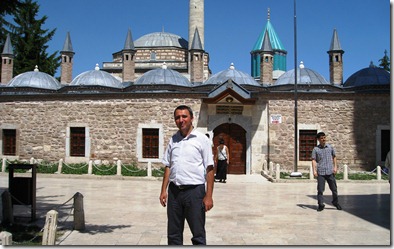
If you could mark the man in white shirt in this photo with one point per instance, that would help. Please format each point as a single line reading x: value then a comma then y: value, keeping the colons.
x: 189, y: 165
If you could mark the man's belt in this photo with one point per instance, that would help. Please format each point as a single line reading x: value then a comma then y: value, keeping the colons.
x: 183, y: 187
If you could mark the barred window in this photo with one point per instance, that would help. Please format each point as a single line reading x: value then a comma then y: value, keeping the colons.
x: 9, y: 142
x: 307, y: 142
x: 150, y: 143
x: 77, y: 141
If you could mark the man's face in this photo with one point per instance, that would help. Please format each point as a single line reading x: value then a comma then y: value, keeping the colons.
x: 322, y: 140
x: 183, y: 121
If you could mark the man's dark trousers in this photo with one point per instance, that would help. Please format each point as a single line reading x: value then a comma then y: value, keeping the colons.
x: 186, y: 204
x: 321, y: 182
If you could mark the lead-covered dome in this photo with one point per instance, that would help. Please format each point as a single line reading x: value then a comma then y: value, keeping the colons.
x: 369, y: 76
x: 236, y: 76
x: 161, y: 39
x: 161, y: 76
x: 96, y: 77
x: 305, y: 76
x: 35, y: 79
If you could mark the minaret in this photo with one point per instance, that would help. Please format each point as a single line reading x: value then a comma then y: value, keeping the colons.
x: 7, y: 61
x: 196, y: 59
x: 128, y: 53
x: 67, y: 55
x: 196, y: 20
x: 335, y: 60
x: 266, y: 60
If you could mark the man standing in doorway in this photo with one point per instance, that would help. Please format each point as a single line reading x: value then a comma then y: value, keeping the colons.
x: 324, y: 163
x: 189, y: 177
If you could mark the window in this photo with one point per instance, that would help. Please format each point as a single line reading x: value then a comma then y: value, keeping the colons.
x: 153, y: 56
x: 307, y: 142
x: 9, y: 142
x: 77, y: 141
x: 150, y: 143
x: 384, y: 144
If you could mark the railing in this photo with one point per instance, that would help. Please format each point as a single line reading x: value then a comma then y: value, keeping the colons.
x: 274, y: 172
x: 91, y: 165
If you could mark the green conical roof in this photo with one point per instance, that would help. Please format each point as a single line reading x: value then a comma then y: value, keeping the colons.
x: 274, y: 39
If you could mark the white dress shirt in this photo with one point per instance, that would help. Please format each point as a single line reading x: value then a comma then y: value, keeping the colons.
x: 188, y: 158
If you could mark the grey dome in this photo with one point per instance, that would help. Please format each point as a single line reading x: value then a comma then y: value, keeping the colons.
x: 305, y: 76
x: 163, y: 75
x: 368, y: 76
x: 161, y: 39
x: 237, y: 76
x: 35, y: 79
x: 96, y: 77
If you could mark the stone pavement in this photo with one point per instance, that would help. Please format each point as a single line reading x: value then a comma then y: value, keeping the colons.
x: 248, y: 210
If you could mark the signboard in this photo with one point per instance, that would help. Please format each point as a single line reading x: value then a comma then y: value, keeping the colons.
x: 276, y: 119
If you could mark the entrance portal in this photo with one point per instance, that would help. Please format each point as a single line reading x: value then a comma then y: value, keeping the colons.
x: 234, y: 137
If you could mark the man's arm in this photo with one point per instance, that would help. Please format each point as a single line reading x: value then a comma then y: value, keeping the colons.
x: 314, y: 167
x: 163, y: 194
x: 208, y: 199
x: 334, y: 160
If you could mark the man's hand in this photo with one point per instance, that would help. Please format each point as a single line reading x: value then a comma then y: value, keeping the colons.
x: 163, y: 199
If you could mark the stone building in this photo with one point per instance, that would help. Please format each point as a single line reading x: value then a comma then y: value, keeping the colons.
x: 125, y: 110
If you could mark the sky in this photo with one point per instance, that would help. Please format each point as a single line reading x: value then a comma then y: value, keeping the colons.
x: 98, y: 28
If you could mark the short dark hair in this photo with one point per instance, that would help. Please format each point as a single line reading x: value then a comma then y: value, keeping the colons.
x: 184, y: 107
x: 320, y: 134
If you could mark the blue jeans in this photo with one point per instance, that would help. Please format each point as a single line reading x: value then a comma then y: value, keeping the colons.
x: 321, y: 182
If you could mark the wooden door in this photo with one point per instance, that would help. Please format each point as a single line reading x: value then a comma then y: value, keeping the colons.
x: 234, y: 137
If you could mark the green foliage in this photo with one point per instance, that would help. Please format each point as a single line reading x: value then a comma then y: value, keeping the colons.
x: 385, y: 62
x: 29, y: 41
x: 339, y: 176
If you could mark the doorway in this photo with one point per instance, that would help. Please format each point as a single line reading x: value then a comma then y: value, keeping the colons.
x: 234, y: 137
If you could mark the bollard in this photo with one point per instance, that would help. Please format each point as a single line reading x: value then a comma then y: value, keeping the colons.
x: 60, y: 166
x: 311, y: 176
x: 90, y: 167
x: 49, y: 234
x: 8, y: 213
x: 277, y: 171
x: 3, y: 165
x: 345, y: 173
x: 149, y: 169
x: 6, y: 238
x: 79, y: 214
x: 379, y: 173
x: 119, y: 168
x: 271, y: 169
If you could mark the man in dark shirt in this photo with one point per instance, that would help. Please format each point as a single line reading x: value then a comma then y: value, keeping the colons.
x: 324, y: 163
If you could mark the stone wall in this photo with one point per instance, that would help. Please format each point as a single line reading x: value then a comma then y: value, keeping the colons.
x: 350, y: 122
x: 41, y: 125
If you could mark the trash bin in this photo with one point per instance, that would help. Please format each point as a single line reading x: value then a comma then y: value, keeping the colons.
x: 22, y: 187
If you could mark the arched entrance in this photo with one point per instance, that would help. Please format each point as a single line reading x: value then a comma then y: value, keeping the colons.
x: 234, y: 137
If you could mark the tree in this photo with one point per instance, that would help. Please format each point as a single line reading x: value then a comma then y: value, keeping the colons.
x: 385, y: 62
x: 7, y: 7
x: 29, y: 41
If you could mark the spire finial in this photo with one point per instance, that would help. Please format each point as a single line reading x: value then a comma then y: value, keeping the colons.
x: 97, y: 67
x: 36, y: 69
x: 269, y: 15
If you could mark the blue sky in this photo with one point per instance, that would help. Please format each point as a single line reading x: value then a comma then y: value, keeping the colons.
x: 98, y: 28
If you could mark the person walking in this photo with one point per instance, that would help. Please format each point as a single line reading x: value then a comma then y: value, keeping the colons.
x: 188, y: 180
x: 222, y: 160
x: 324, y: 163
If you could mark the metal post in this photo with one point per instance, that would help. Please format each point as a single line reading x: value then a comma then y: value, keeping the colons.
x: 295, y: 173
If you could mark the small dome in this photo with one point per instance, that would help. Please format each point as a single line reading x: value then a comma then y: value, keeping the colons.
x: 305, y: 76
x: 369, y: 76
x: 162, y: 76
x: 35, y: 79
x: 96, y: 77
x: 237, y: 76
x: 161, y: 39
